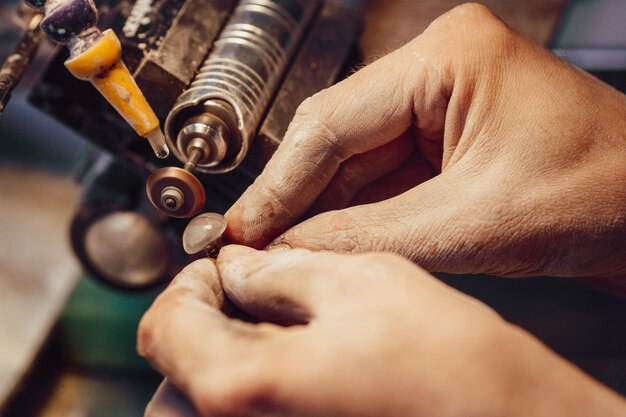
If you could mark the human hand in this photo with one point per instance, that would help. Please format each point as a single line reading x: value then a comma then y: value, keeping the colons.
x: 469, y: 150
x: 367, y: 335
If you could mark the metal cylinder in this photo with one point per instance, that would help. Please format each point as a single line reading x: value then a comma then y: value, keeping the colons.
x: 238, y: 80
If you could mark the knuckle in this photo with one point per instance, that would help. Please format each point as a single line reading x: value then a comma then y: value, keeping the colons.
x: 149, y: 328
x: 311, y: 104
x: 469, y: 24
x: 315, y: 107
x: 278, y: 202
x: 237, y: 392
x: 199, y: 272
x: 317, y: 118
x: 315, y: 129
x: 471, y: 16
x: 473, y: 10
x: 145, y: 334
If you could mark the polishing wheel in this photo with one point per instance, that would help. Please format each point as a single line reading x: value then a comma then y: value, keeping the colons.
x: 176, y: 192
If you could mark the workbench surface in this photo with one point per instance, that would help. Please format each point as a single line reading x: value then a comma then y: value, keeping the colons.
x: 37, y: 270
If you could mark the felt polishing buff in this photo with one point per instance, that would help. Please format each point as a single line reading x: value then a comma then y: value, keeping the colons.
x: 102, y: 65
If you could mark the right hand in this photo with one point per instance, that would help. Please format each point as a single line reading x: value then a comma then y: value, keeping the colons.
x: 469, y: 150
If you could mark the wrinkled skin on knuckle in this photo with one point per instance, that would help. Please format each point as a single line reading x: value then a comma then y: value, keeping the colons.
x: 310, y: 105
x: 466, y: 28
x: 467, y: 23
x: 336, y: 230
x: 200, y: 277
x: 315, y: 114
x: 313, y: 147
x: 430, y: 103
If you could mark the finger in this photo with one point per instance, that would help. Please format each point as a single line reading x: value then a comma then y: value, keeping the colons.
x: 411, y: 173
x: 280, y: 286
x: 364, y: 112
x: 361, y: 170
x: 187, y: 338
x: 169, y: 402
x: 439, y: 224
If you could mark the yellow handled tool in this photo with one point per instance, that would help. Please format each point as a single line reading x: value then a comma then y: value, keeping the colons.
x: 97, y: 57
x: 102, y: 65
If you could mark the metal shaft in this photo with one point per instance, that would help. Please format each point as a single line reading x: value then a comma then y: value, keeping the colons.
x: 172, y: 197
x: 238, y: 80
x: 194, y: 157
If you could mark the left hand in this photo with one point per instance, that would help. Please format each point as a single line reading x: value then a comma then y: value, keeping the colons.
x: 367, y: 335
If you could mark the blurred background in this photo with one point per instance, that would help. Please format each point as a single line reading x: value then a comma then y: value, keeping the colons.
x: 67, y: 340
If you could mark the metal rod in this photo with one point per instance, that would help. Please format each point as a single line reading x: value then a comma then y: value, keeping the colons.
x: 194, y: 157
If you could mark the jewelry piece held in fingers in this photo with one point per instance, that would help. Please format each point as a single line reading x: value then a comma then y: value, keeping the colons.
x: 205, y: 232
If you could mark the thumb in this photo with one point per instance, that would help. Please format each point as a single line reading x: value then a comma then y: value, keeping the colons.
x: 437, y: 224
x: 281, y: 286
